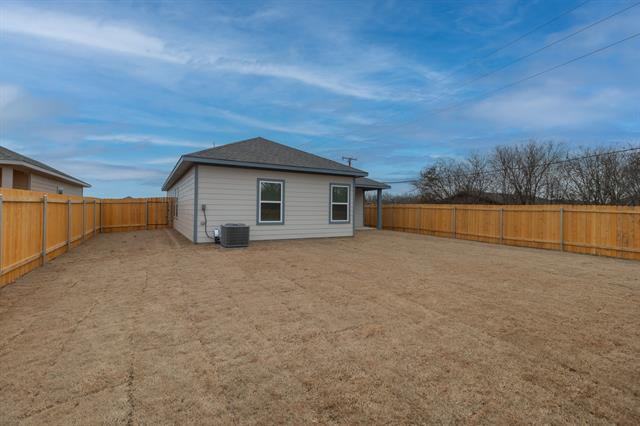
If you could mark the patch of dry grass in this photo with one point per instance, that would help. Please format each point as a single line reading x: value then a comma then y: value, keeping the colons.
x: 382, y: 328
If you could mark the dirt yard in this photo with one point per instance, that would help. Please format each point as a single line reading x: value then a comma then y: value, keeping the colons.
x: 145, y: 328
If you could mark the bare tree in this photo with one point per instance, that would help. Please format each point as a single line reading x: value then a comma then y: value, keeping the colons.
x: 447, y: 178
x: 599, y: 176
x: 439, y: 181
x: 478, y: 178
x: 631, y: 178
x: 405, y: 198
x: 535, y: 172
x: 528, y: 172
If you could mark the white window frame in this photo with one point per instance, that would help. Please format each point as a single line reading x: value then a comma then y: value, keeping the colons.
x: 259, y: 220
x: 331, y: 203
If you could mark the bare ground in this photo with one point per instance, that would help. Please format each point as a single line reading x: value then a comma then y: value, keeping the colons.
x: 145, y: 328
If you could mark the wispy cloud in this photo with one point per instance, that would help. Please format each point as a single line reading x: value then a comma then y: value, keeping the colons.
x: 259, y: 16
x: 311, y: 129
x: 113, y: 37
x: 18, y: 108
x: 162, y: 161
x: 324, y: 79
x: 126, y: 39
x: 144, y: 139
x: 545, y: 109
x: 98, y: 171
x: 8, y: 94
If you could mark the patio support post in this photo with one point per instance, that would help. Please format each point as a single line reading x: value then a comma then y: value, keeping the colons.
x: 379, y: 208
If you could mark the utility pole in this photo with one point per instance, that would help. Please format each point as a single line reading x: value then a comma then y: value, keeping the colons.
x: 349, y: 160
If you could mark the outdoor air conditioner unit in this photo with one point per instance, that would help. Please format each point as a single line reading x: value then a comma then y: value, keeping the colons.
x: 234, y: 235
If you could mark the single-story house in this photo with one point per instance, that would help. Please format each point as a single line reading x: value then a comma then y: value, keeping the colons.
x: 279, y: 191
x: 22, y: 172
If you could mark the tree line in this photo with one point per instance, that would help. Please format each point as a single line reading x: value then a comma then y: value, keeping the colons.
x: 532, y: 173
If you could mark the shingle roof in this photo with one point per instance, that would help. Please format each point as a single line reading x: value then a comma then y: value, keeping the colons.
x: 8, y: 156
x: 261, y: 153
x: 363, y: 182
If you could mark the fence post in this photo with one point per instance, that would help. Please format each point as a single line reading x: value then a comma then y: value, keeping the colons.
x: 84, y: 202
x: 379, y: 218
x: 419, y: 210
x: 1, y: 207
x: 562, y: 228
x: 44, y: 228
x: 501, y: 225
x: 453, y: 222
x: 146, y: 214
x: 102, y: 216
x: 69, y: 224
x: 94, y: 217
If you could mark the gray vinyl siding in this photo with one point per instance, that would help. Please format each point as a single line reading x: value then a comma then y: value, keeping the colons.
x: 183, y: 191
x: 231, y: 197
x: 45, y: 184
x: 359, y: 208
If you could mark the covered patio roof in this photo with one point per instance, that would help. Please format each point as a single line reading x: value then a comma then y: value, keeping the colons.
x: 367, y: 184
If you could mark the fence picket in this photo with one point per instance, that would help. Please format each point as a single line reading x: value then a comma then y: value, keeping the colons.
x: 602, y: 230
x: 23, y: 247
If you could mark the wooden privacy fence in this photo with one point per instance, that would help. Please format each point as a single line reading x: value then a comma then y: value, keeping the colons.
x: 600, y: 230
x: 36, y: 227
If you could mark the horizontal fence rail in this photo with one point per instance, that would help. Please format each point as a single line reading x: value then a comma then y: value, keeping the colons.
x: 600, y: 230
x: 36, y: 227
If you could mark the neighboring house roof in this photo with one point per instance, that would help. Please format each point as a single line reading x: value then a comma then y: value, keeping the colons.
x: 13, y: 158
x: 366, y: 183
x: 260, y: 153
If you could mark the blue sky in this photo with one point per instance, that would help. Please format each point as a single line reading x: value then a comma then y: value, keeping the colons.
x: 115, y: 92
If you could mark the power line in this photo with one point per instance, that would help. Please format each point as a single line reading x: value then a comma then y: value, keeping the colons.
x: 545, y: 47
x: 549, y: 163
x: 514, y: 41
x: 538, y: 74
x: 512, y: 84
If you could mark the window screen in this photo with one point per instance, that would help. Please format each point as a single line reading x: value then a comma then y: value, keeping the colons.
x: 270, y: 201
x: 340, y: 203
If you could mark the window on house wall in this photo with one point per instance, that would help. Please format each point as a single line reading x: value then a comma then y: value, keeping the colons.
x: 270, y: 202
x: 340, y: 199
x: 60, y: 190
x: 21, y: 180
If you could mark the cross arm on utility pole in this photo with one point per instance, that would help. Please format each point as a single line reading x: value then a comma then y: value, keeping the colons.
x: 349, y: 159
